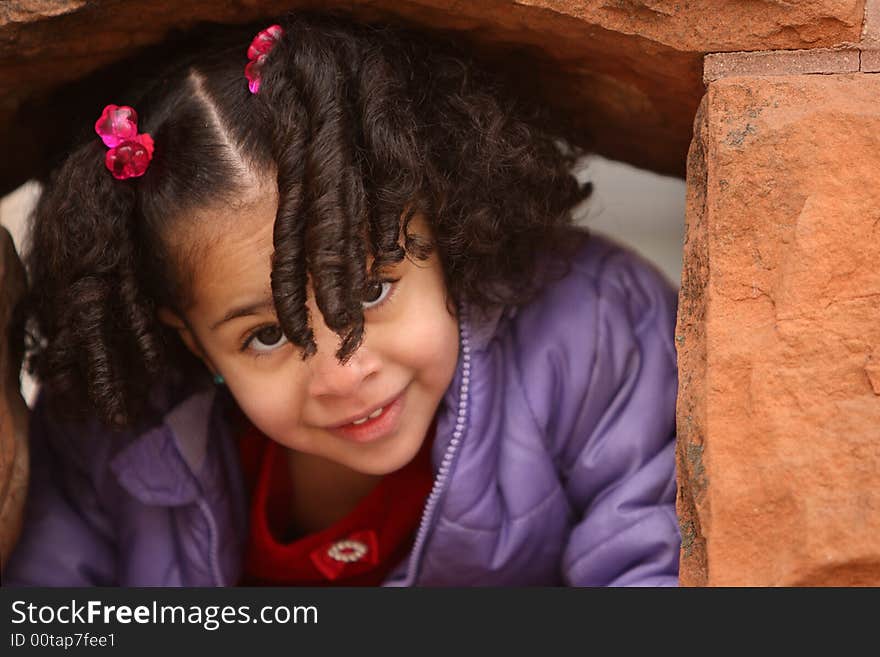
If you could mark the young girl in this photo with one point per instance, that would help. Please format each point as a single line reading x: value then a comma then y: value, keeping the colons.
x: 312, y: 312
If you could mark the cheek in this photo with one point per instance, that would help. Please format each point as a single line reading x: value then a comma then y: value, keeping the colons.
x: 431, y: 346
x: 427, y: 338
x: 268, y: 403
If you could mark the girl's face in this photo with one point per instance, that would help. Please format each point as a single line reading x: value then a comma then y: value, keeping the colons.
x: 396, y: 378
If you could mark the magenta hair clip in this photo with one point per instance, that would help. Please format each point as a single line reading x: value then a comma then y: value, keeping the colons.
x: 130, y: 152
x: 259, y: 49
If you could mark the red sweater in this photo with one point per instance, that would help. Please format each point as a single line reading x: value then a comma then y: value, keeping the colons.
x: 358, y: 550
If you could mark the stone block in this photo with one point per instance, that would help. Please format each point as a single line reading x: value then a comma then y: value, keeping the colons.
x: 779, y: 335
x: 871, y: 30
x: 870, y: 61
x: 14, y: 413
x: 722, y: 26
x: 780, y: 62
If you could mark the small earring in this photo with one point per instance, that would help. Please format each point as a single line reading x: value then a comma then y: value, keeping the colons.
x: 218, y: 379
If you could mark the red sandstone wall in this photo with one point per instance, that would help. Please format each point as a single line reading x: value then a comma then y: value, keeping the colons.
x: 779, y: 334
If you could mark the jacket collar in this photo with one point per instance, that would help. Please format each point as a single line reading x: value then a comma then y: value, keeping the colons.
x: 482, y: 326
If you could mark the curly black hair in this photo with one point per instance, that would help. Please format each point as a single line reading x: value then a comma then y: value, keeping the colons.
x: 361, y: 125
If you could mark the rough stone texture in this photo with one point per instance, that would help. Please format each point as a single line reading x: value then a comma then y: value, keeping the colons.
x: 871, y: 31
x: 779, y: 335
x: 870, y: 61
x: 627, y: 70
x: 13, y: 410
x: 690, y: 338
x: 26, y: 11
x: 780, y: 62
x: 723, y: 26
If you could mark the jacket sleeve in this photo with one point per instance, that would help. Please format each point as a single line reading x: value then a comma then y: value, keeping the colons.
x: 66, y: 538
x: 610, y: 389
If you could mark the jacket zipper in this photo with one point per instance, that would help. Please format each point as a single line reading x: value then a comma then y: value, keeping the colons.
x: 451, y: 450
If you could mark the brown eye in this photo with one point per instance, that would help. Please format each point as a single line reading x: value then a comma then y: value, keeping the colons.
x: 376, y: 292
x: 266, y: 339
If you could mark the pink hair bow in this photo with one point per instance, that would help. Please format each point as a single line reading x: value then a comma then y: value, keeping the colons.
x: 130, y: 152
x: 259, y: 49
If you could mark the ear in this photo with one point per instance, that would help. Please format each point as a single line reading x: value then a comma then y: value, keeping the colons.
x: 171, y: 319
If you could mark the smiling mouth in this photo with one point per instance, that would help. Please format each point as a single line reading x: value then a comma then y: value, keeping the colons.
x: 378, y: 423
x: 372, y: 415
x: 369, y: 415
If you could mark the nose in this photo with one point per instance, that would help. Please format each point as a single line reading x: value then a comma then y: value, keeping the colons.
x: 329, y: 377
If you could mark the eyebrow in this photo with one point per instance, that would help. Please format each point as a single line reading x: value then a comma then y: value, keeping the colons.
x: 264, y: 305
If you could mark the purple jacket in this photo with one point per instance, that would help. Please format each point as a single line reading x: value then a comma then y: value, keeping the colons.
x: 553, y: 460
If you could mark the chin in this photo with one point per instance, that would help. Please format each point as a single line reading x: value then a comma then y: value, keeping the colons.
x: 387, y: 461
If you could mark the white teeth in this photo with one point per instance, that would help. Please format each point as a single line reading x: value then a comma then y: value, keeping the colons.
x: 375, y: 413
